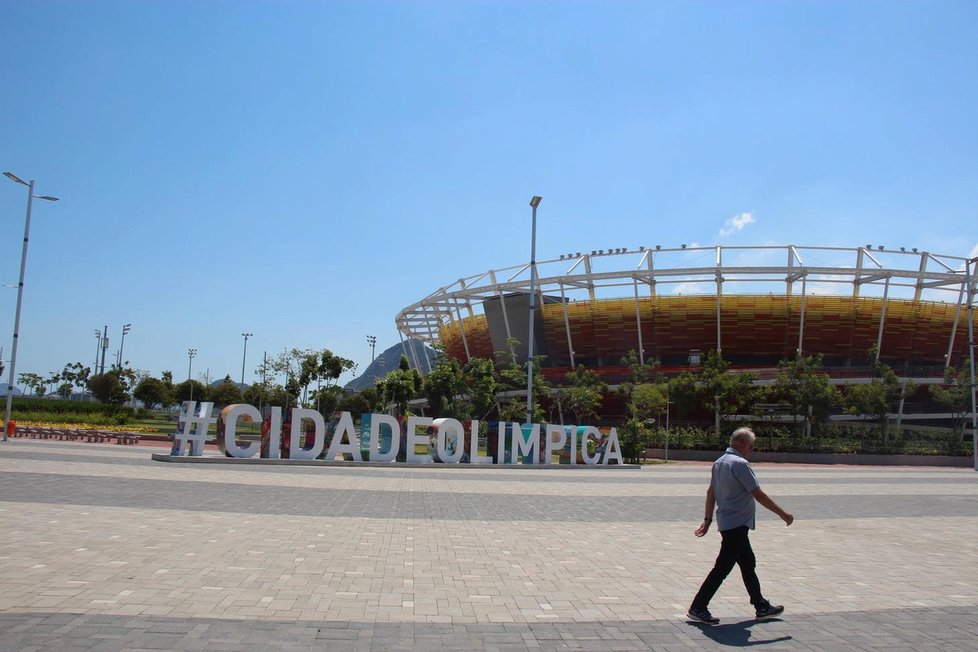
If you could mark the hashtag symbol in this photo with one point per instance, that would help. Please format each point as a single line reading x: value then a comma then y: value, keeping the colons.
x: 188, y: 420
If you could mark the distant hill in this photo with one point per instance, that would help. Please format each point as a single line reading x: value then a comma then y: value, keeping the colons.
x: 387, y: 361
x: 220, y: 381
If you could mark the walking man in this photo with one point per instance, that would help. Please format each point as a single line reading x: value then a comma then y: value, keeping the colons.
x: 733, y: 491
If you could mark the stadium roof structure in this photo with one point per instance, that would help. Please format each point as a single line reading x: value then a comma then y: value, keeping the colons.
x: 492, y: 306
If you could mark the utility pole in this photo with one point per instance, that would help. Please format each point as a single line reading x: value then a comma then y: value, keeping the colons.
x: 105, y: 346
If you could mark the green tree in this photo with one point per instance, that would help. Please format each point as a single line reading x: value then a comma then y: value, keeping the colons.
x: 634, y: 437
x: 227, y: 393
x: 327, y: 399
x: 803, y: 386
x: 648, y: 401
x: 34, y: 382
x: 289, y: 364
x: 365, y: 401
x: 583, y: 395
x: 400, y: 386
x: 512, y: 377
x: 74, y: 375
x: 109, y: 388
x: 730, y: 393
x: 482, y: 384
x: 267, y: 393
x: 645, y: 394
x: 684, y: 393
x: 190, y: 390
x: 152, y: 392
x: 444, y: 388
x: 642, y: 372
x: 714, y: 384
x: 169, y: 395
x: 875, y: 399
x: 955, y: 395
x: 53, y: 380
x: 303, y: 367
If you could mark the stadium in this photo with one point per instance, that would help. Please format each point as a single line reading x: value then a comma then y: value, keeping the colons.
x: 757, y: 305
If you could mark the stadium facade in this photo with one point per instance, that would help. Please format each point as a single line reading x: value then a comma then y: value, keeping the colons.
x: 755, y: 304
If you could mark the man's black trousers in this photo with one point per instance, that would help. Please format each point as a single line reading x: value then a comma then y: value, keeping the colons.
x: 735, y: 549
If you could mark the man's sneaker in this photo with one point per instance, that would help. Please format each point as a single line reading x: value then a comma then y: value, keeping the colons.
x: 769, y: 611
x: 702, y: 616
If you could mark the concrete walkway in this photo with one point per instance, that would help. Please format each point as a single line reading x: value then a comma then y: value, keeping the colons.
x: 103, y: 549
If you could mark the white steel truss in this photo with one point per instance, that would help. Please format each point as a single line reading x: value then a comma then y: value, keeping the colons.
x: 857, y: 271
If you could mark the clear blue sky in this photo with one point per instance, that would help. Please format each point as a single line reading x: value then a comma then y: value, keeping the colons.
x: 304, y: 170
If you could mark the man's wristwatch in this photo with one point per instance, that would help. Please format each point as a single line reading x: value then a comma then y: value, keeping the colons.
x: 707, y: 520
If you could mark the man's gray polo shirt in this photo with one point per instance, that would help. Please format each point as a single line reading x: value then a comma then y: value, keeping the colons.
x: 733, y: 481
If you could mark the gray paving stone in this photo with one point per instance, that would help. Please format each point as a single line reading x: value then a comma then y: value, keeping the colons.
x: 104, y: 549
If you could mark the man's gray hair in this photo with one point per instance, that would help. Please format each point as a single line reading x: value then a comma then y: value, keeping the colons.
x: 745, y: 435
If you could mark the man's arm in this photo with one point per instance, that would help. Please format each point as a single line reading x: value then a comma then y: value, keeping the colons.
x: 766, y: 501
x: 708, y: 510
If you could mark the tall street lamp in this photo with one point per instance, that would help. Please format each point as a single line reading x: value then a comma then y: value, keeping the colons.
x: 20, y: 288
x: 244, y: 355
x: 125, y: 329
x: 534, y: 202
x: 190, y: 365
x: 372, y: 341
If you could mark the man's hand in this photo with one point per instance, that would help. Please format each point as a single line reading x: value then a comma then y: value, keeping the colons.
x: 702, y: 529
x: 788, y: 518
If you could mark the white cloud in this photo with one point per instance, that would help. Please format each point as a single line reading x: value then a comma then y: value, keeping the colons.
x: 972, y: 254
x: 689, y: 287
x: 736, y: 223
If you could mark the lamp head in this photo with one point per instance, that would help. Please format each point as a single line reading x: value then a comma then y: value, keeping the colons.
x: 14, y: 177
x: 535, y: 201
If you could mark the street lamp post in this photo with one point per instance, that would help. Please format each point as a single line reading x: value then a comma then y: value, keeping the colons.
x: 372, y: 341
x: 244, y: 354
x: 534, y: 202
x: 20, y: 288
x: 125, y: 329
x: 668, y: 403
x: 190, y: 365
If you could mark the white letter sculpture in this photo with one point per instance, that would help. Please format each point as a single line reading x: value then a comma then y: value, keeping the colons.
x: 376, y: 421
x: 227, y: 423
x: 188, y: 420
x: 296, y: 452
x: 528, y: 449
x: 553, y: 445
x: 413, y: 439
x: 336, y: 447
x: 449, y: 428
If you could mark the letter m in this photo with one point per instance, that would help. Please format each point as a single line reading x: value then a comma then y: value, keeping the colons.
x: 528, y: 449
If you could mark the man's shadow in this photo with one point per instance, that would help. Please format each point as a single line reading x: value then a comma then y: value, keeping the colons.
x: 739, y: 634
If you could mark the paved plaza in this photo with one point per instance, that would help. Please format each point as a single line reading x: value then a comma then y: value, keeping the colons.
x: 102, y: 548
